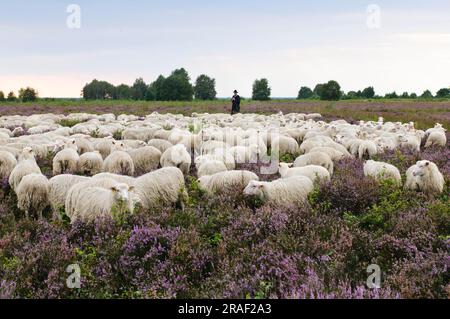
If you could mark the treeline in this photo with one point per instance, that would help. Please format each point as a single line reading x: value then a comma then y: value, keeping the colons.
x: 175, y: 87
x: 25, y: 95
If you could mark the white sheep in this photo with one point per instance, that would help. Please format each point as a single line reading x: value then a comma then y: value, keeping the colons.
x: 211, y: 167
x: 90, y: 163
x: 381, y: 170
x: 315, y: 158
x: 436, y: 138
x: 284, y: 145
x: 32, y: 194
x: 367, y: 148
x: 145, y: 159
x: 281, y: 191
x: 7, y: 164
x: 160, y: 144
x: 59, y: 187
x: 122, y: 179
x: 93, y: 202
x: 424, y: 176
x: 177, y: 156
x: 163, y: 186
x: 313, y: 172
x: 27, y: 165
x: 119, y: 162
x: 66, y: 160
x: 104, y: 146
x: 84, y: 145
x: 334, y: 154
x: 236, y: 179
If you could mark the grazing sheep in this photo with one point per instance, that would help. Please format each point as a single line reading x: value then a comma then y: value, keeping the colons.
x: 315, y: 158
x: 123, y: 179
x: 367, y: 149
x: 245, y: 154
x: 104, y: 146
x: 410, y: 142
x: 66, y: 160
x: 84, y: 145
x: 381, y: 170
x: 282, y: 191
x: 145, y: 159
x: 162, y: 186
x: 313, y: 172
x: 59, y: 187
x: 436, y: 136
x: 160, y: 144
x: 210, y: 168
x: 90, y: 163
x: 119, y: 162
x: 236, y: 179
x: 32, y: 194
x: 27, y: 165
x: 334, y: 154
x: 141, y: 133
x: 93, y: 202
x: 426, y: 177
x: 177, y: 156
x: 284, y: 145
x: 7, y: 164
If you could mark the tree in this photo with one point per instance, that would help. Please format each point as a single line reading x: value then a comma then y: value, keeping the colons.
x: 368, y: 92
x: 123, y: 92
x: 350, y: 95
x: 318, y: 90
x: 330, y: 91
x: 261, y: 90
x: 139, y: 89
x: 205, y: 88
x: 427, y: 95
x: 413, y: 95
x: 405, y: 95
x: 155, y: 88
x: 305, y: 93
x: 443, y: 93
x: 98, y: 90
x: 11, y: 97
x: 2, y: 96
x: 176, y: 87
x: 28, y: 94
x: 392, y: 95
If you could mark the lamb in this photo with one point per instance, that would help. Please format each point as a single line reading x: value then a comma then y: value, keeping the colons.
x: 160, y: 144
x: 381, y: 170
x: 59, y: 187
x: 32, y: 194
x: 367, y: 148
x: 7, y: 164
x: 315, y: 158
x: 426, y: 177
x: 236, y: 179
x: 93, y: 202
x: 163, y: 186
x: 90, y: 163
x: 211, y: 167
x: 27, y: 165
x: 177, y: 156
x: 66, y: 160
x: 119, y: 162
x: 313, y: 172
x: 282, y: 191
x: 145, y: 159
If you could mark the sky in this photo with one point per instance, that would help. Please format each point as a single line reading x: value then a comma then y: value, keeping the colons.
x: 391, y: 45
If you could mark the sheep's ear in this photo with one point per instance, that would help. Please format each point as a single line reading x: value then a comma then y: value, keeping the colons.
x: 73, y: 142
x: 114, y: 189
x: 290, y: 164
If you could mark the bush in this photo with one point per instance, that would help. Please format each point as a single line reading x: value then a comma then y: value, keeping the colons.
x: 205, y: 88
x: 261, y: 90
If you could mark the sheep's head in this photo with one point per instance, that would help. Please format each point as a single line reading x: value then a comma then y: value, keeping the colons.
x: 122, y: 192
x: 117, y: 145
x: 72, y: 144
x: 27, y: 153
x: 254, y: 188
x: 283, y: 167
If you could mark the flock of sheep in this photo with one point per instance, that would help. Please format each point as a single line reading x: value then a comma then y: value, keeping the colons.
x: 106, y: 164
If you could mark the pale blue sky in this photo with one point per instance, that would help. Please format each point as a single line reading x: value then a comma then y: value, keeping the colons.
x: 292, y: 43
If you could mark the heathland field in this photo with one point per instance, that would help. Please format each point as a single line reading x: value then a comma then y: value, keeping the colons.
x: 424, y: 113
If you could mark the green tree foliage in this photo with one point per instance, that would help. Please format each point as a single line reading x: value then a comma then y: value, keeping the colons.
x: 368, y: 92
x: 305, y: 93
x: 28, y: 94
x: 392, y: 95
x: 205, y: 88
x: 155, y: 88
x: 443, y: 93
x: 413, y: 95
x: 98, y: 90
x: 176, y: 87
x: 318, y: 90
x: 330, y: 91
x: 427, y: 95
x: 139, y: 89
x: 123, y: 92
x: 2, y: 96
x: 261, y: 90
x: 11, y: 97
x: 405, y: 95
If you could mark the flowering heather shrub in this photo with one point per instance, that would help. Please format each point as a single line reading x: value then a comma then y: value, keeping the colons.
x: 228, y: 246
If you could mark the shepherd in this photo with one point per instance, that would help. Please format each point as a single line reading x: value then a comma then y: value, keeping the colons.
x: 236, y: 103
